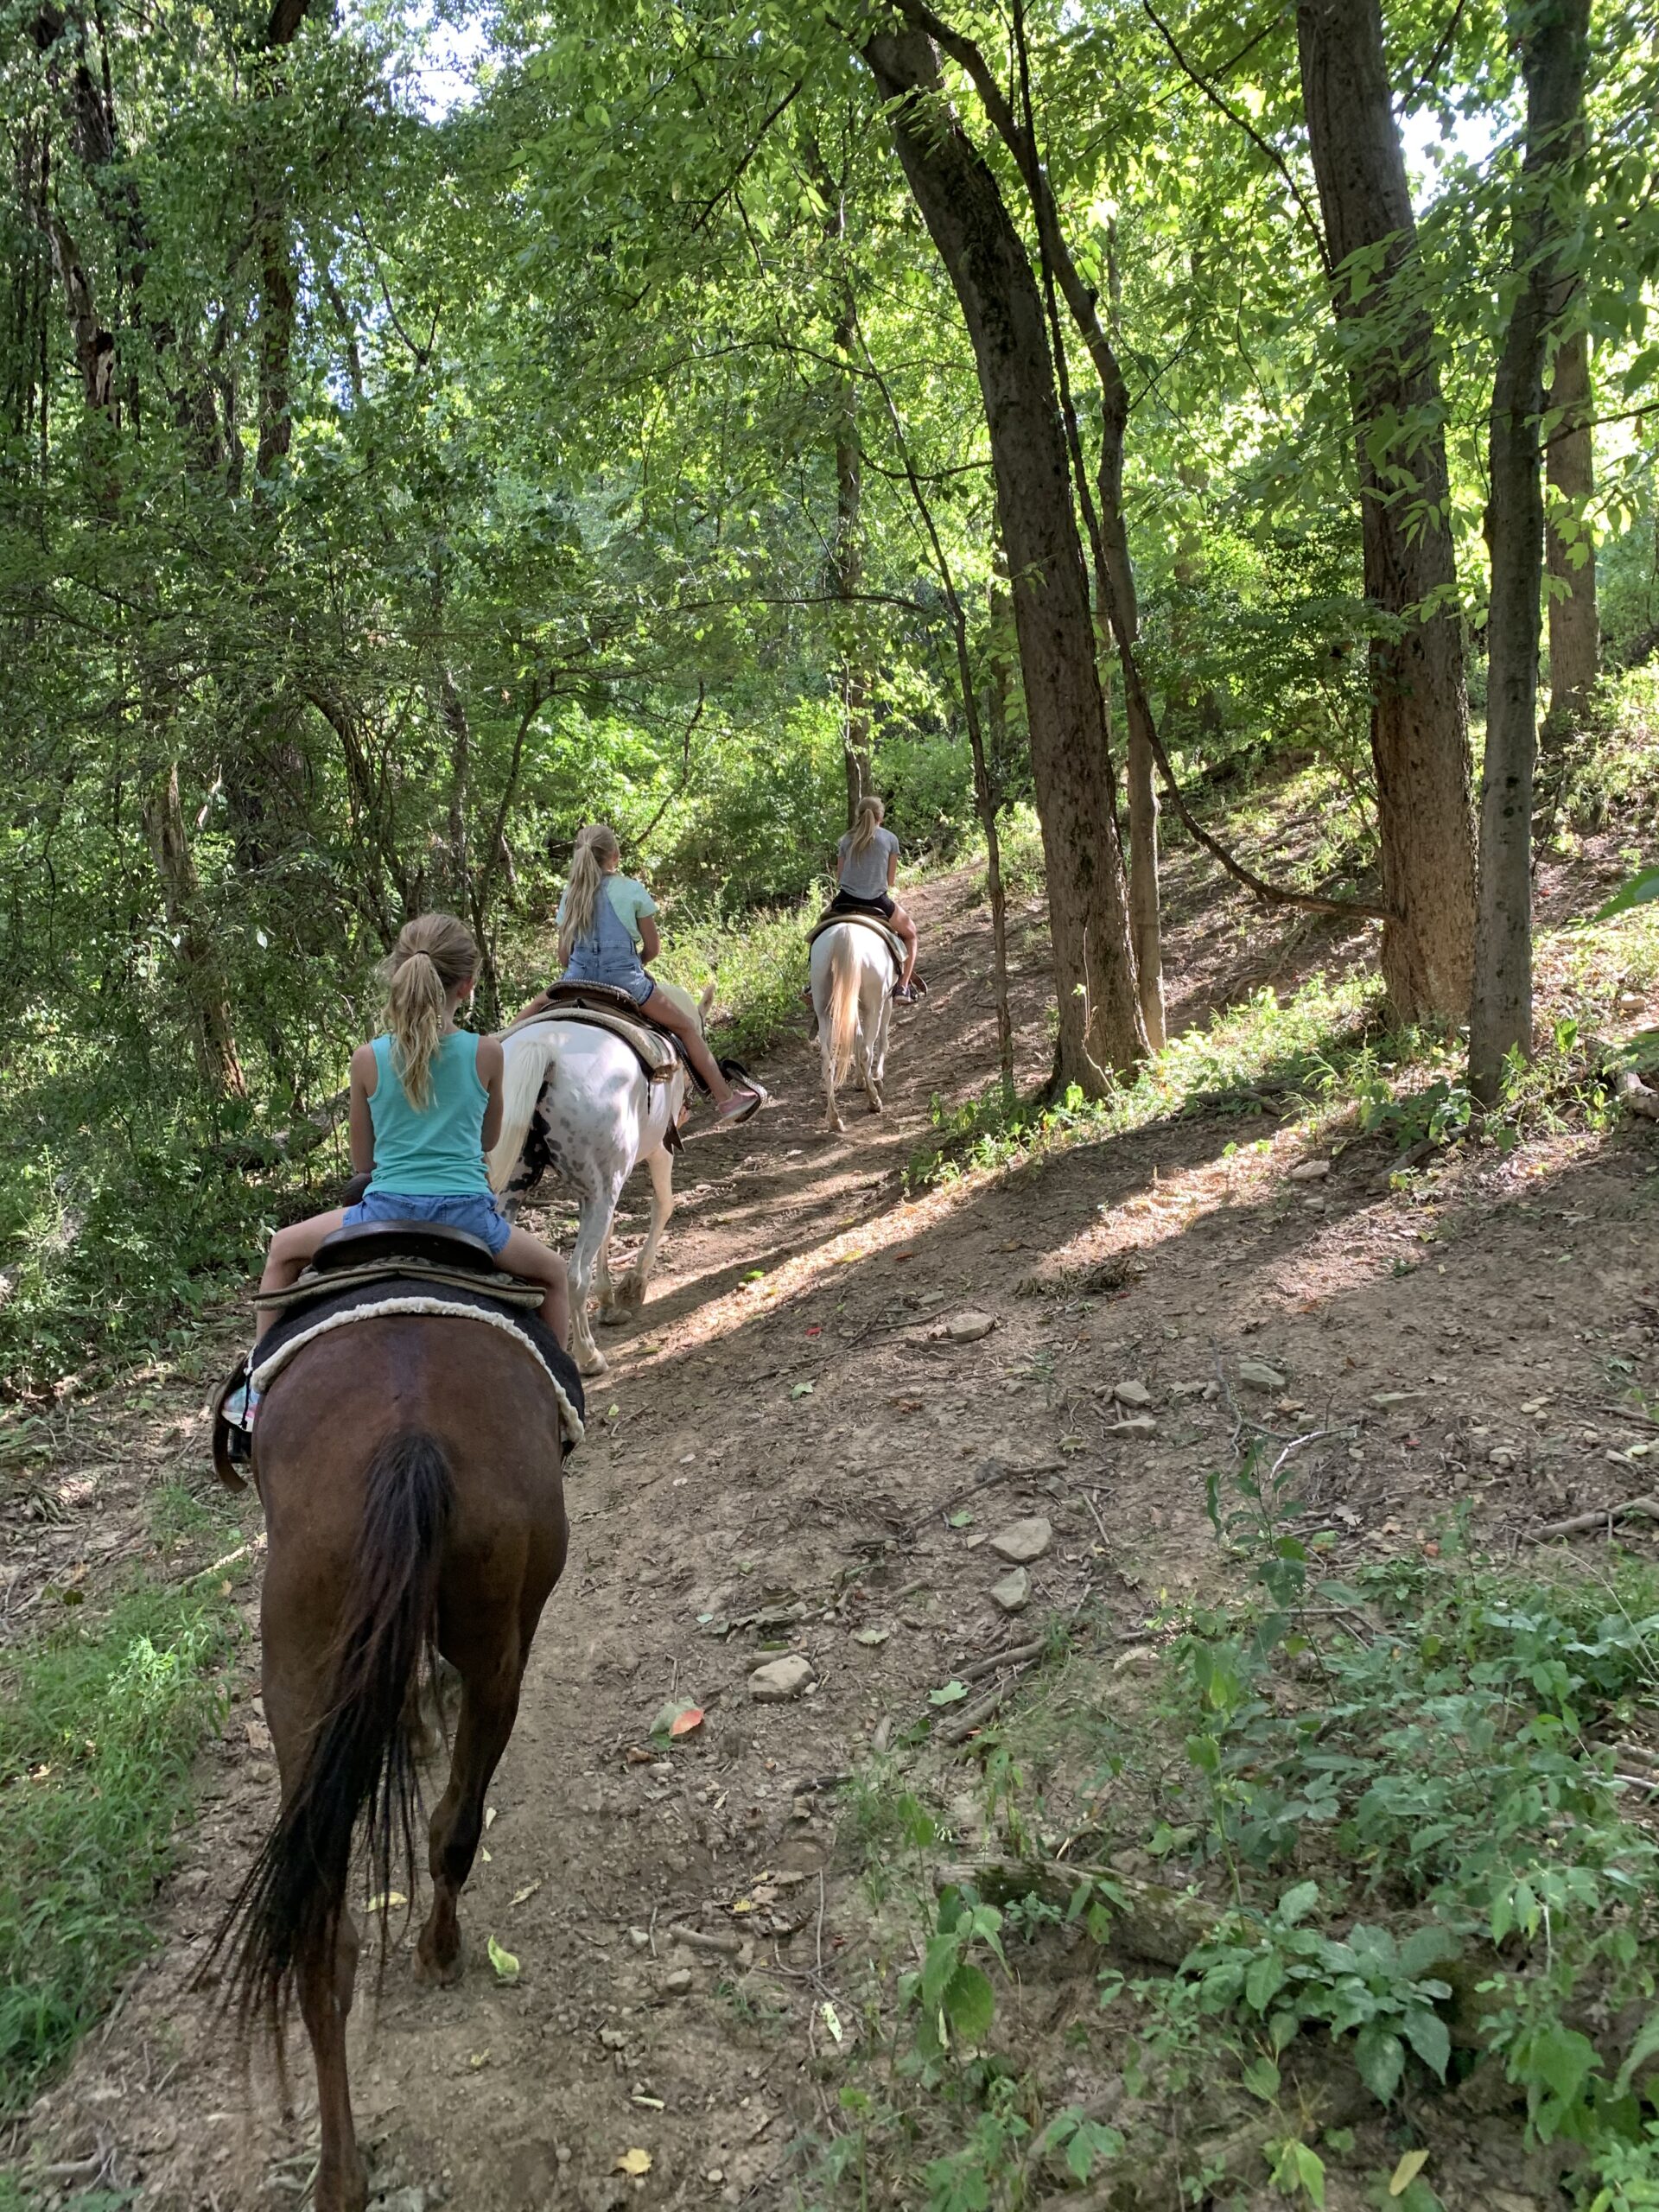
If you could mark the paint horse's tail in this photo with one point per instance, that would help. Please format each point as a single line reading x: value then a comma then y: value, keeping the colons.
x: 359, y: 1762
x: 530, y: 1053
x: 843, y: 1002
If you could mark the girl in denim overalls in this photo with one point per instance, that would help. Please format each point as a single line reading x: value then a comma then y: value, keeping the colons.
x: 608, y: 931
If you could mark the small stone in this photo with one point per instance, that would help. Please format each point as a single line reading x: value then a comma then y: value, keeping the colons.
x: 562, y: 2152
x: 1134, y: 1425
x: 640, y: 1938
x: 1138, y: 1655
x: 715, y: 2174
x: 1013, y: 1592
x: 967, y: 1328
x: 1256, y: 1375
x: 780, y: 1678
x: 1132, y: 1394
x: 1387, y: 1398
x: 412, y: 2199
x: 1192, y: 1389
x: 1310, y: 1171
x: 883, y: 1734
x: 677, y: 1983
x: 613, y: 2038
x: 1022, y: 1541
x: 1501, y: 1456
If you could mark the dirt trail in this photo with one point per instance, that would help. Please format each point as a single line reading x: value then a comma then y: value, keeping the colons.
x: 780, y: 1419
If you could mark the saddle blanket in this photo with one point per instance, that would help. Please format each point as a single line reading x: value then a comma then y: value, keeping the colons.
x: 872, y: 922
x: 412, y: 1293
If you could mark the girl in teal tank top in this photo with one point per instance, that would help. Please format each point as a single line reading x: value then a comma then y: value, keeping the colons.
x: 426, y: 1109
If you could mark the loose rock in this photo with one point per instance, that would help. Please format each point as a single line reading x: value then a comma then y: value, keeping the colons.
x: 967, y: 1328
x: 1310, y: 1171
x: 1256, y: 1375
x: 1013, y: 1592
x: 1022, y: 1541
x: 677, y: 1983
x: 1134, y: 1425
x: 780, y: 1678
x: 1132, y: 1394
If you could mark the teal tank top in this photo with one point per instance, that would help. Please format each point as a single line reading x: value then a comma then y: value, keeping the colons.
x: 437, y: 1152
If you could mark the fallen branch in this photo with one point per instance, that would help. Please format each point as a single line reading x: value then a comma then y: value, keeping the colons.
x: 969, y: 1723
x: 695, y: 1939
x: 1633, y: 1093
x: 1014, y: 1654
x: 1581, y: 1524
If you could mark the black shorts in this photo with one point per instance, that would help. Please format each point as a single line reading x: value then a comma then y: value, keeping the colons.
x: 844, y: 903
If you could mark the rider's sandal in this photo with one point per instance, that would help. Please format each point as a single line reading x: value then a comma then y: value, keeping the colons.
x: 907, y: 994
x: 742, y: 1106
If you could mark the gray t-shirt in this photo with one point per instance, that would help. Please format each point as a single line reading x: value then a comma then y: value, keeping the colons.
x: 865, y: 876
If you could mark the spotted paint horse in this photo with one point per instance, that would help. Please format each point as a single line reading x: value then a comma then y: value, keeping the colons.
x: 577, y: 1104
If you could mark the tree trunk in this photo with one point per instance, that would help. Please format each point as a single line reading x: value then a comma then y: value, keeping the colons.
x: 1101, y: 1029
x: 1570, y: 551
x: 1420, y: 713
x: 199, y: 968
x: 846, y: 571
x: 1553, y: 51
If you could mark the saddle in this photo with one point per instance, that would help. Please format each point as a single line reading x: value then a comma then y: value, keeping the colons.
x: 601, y: 1005
x: 871, y: 922
x: 394, y: 1267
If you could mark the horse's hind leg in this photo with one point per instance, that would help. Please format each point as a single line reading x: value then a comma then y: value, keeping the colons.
x: 592, y: 1228
x: 326, y: 1987
x: 660, y: 1165
x: 489, y: 1705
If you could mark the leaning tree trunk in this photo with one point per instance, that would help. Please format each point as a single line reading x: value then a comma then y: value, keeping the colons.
x: 1554, y: 44
x: 1101, y: 1031
x: 1419, y: 715
x: 847, y: 574
x: 1570, y: 553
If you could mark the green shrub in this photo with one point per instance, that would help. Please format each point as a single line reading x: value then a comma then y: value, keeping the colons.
x: 98, y: 1733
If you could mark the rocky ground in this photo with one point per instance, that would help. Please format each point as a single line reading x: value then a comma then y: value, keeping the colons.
x: 808, y: 1446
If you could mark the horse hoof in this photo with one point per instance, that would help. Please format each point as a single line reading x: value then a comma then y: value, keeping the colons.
x: 439, y: 1974
x: 591, y: 1362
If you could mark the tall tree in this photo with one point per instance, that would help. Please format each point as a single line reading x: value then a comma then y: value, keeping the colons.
x: 1419, y: 715
x: 1569, y: 546
x: 1101, y: 1029
x: 1553, y: 38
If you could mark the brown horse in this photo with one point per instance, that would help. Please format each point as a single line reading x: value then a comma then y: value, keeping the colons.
x: 408, y: 1467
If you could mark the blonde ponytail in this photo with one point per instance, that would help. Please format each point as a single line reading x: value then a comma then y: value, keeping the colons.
x: 868, y: 820
x: 595, y: 848
x: 433, y: 954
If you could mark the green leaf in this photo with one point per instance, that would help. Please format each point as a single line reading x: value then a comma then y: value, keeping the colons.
x: 1264, y: 1980
x: 952, y: 1693
x: 1643, y: 2048
x: 1381, y: 2058
x: 1297, y: 1904
x: 1641, y: 891
x: 969, y: 2004
x: 506, y: 1966
x: 1428, y: 2034
x: 1262, y: 2079
x: 1310, y: 2170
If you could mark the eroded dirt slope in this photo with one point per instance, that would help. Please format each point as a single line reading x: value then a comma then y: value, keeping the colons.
x: 784, y: 1414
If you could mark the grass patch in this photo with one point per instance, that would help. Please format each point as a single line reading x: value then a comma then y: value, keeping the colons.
x: 1354, y: 1862
x: 99, y: 1728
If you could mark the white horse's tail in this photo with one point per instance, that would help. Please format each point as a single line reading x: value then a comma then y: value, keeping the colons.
x: 529, y: 1057
x: 843, y: 1002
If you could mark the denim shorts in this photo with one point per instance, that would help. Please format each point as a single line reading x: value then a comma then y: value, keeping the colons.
x: 614, y: 975
x: 477, y: 1212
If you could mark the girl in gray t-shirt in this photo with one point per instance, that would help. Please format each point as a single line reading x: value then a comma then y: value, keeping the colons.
x: 867, y: 869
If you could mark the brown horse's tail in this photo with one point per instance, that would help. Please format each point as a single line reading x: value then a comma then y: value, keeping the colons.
x: 358, y: 1763
x: 843, y: 1002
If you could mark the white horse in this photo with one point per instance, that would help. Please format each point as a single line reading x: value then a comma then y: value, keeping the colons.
x: 853, y: 976
x: 596, y: 1117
